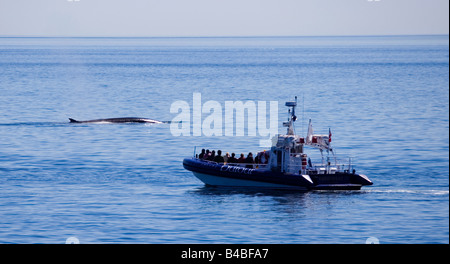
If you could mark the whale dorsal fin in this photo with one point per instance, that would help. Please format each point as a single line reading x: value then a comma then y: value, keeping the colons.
x: 73, y: 120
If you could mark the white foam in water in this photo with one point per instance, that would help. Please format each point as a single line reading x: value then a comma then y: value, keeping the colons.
x: 429, y: 192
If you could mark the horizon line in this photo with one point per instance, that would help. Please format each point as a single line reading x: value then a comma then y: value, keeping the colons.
x: 222, y: 36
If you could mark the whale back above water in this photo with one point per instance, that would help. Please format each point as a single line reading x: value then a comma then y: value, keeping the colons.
x: 119, y: 120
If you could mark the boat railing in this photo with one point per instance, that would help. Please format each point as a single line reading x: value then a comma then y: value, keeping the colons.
x: 248, y: 165
x: 318, y: 169
x: 255, y: 165
x: 297, y: 165
x: 243, y: 165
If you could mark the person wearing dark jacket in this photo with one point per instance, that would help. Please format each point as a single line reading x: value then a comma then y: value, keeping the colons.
x: 232, y: 159
x: 212, y: 156
x: 202, y: 154
x: 249, y: 160
x: 218, y: 158
x: 241, y: 158
x: 207, y: 154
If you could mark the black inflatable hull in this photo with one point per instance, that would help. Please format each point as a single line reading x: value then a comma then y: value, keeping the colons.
x: 216, y: 174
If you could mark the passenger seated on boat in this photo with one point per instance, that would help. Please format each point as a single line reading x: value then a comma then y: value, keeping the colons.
x: 264, y: 159
x: 232, y: 159
x: 249, y: 160
x: 212, y: 156
x: 261, y: 157
x: 207, y: 154
x: 226, y: 157
x: 202, y: 154
x: 241, y: 158
x: 218, y: 158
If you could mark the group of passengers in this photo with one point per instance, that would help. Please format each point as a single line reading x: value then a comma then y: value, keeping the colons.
x: 261, y: 158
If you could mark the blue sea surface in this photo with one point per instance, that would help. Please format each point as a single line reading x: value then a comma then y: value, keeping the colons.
x: 386, y: 100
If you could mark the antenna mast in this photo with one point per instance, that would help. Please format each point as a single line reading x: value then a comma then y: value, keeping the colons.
x: 292, y: 117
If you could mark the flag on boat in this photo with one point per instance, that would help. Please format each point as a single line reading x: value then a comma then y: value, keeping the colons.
x: 329, y: 134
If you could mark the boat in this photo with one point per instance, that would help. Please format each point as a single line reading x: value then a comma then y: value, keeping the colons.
x: 285, y: 166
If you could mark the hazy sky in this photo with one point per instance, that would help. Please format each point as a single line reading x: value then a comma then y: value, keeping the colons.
x: 222, y: 17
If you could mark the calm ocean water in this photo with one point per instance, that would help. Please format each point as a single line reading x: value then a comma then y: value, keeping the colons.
x: 386, y: 100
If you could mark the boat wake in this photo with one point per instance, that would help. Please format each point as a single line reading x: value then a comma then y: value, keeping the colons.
x: 42, y: 124
x: 425, y: 192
